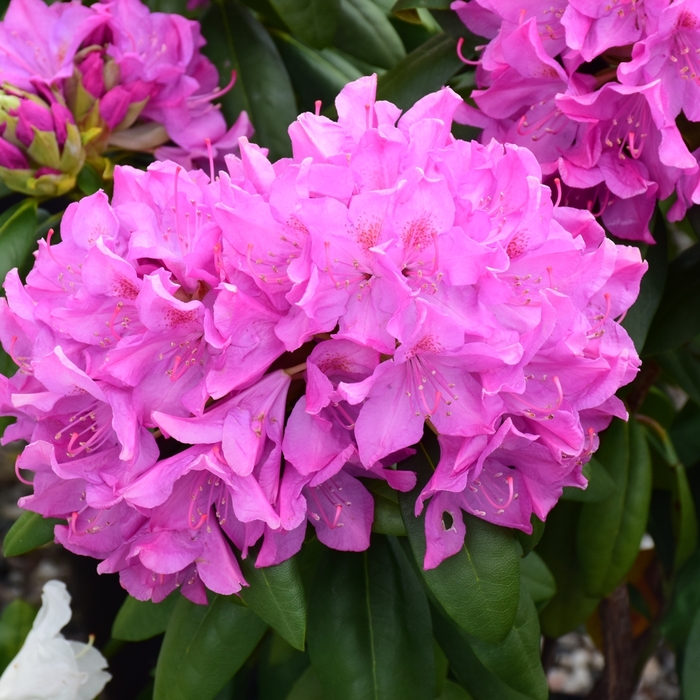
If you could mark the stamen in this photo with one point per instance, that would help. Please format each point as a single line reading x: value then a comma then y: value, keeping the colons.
x: 20, y: 477
x: 460, y: 55
x: 557, y: 182
x: 210, y: 153
x: 317, y: 104
x: 200, y: 99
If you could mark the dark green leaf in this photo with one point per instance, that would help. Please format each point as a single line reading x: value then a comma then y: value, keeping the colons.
x: 17, y: 239
x: 510, y: 670
x: 315, y: 75
x: 238, y: 41
x: 428, y: 4
x: 308, y: 687
x: 276, y: 594
x: 203, y: 647
x: 424, y: 70
x: 138, y: 620
x: 609, y: 532
x: 600, y: 485
x: 365, y: 32
x: 15, y: 623
x: 278, y: 668
x: 685, y: 603
x: 676, y: 320
x: 369, y: 626
x: 691, y: 662
x: 529, y: 542
x: 684, y: 434
x: 452, y: 691
x: 479, y: 586
x: 683, y: 365
x: 89, y: 180
x: 639, y: 317
x: 313, y: 21
x: 30, y: 531
x: 570, y: 605
x: 536, y: 578
x: 387, y: 514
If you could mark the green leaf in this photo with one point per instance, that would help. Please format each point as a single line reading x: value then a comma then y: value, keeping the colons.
x: 570, y: 605
x: 278, y: 667
x: 676, y: 320
x: 479, y: 586
x: 639, y: 317
x: 452, y: 691
x: 424, y: 70
x: 203, y: 647
x: 387, y: 517
x: 30, y: 531
x: 15, y: 623
x: 276, y: 594
x: 237, y: 40
x: 691, y: 662
x: 308, y: 687
x: 600, y: 485
x: 683, y: 365
x: 428, y: 4
x: 536, y: 578
x: 369, y: 626
x: 510, y: 670
x: 17, y: 239
x: 138, y: 620
x: 684, y: 433
x: 365, y: 32
x: 529, y: 542
x: 684, y: 604
x: 315, y: 75
x: 89, y: 180
x: 609, y: 531
x: 313, y: 21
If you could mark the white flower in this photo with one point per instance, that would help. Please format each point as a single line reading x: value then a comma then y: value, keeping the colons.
x: 49, y: 667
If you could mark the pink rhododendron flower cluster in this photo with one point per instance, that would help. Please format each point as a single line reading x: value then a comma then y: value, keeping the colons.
x: 117, y: 74
x: 214, y: 362
x: 594, y: 89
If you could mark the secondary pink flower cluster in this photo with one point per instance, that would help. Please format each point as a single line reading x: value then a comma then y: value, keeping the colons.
x: 205, y: 362
x: 594, y: 89
x: 117, y: 75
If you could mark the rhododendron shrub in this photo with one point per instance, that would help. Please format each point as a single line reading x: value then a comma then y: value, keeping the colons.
x: 106, y: 78
x: 598, y: 92
x: 209, y: 364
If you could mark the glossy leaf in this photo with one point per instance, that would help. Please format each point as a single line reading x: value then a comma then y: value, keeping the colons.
x: 683, y: 365
x: 308, y: 687
x: 685, y: 435
x: 365, y: 32
x: 510, y: 670
x: 369, y: 625
x: 17, y: 236
x: 600, y: 485
x: 479, y: 586
x: 15, y: 623
x: 639, y: 318
x: 685, y: 603
x: 424, y: 70
x: 452, y: 691
x: 529, y: 542
x: 203, y: 647
x: 414, y: 4
x: 276, y: 594
x: 691, y: 662
x: 676, y: 320
x: 279, y: 666
x: 30, y: 531
x: 387, y: 514
x: 609, y: 531
x: 537, y: 579
x: 313, y: 21
x: 138, y: 620
x: 570, y: 605
x: 315, y: 75
x: 237, y: 40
